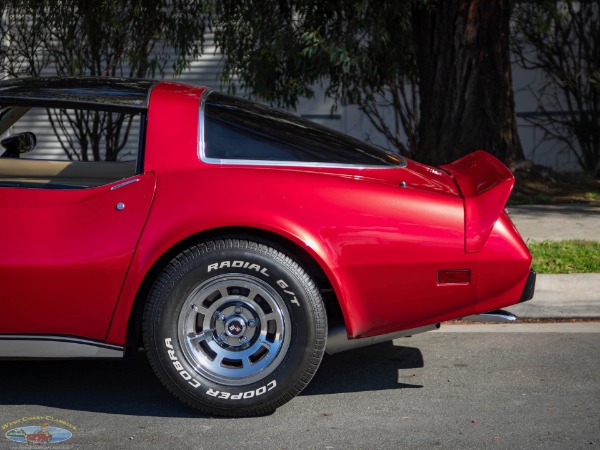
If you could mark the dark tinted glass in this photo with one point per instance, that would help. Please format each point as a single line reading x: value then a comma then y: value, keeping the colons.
x: 242, y: 130
x: 116, y: 94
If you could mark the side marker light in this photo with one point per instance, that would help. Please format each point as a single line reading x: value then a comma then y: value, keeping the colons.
x: 454, y: 276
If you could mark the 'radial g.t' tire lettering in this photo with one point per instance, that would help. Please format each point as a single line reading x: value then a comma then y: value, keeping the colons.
x: 234, y: 327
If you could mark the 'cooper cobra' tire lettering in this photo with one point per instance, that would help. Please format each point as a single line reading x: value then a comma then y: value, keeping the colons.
x: 212, y: 392
x: 248, y: 394
x: 182, y: 372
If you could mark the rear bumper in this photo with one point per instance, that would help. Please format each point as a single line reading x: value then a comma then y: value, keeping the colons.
x: 500, y: 316
x: 529, y: 288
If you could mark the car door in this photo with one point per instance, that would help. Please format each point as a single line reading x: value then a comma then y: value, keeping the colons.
x: 64, y: 254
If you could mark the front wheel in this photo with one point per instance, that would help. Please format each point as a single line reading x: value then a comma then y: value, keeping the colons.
x: 234, y: 327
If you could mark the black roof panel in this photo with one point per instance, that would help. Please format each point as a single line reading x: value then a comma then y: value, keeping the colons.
x: 120, y: 94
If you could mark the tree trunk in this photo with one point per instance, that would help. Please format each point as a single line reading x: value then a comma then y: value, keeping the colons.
x: 465, y: 81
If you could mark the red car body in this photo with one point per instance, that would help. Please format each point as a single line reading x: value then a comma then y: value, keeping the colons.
x: 38, y: 438
x: 397, y: 247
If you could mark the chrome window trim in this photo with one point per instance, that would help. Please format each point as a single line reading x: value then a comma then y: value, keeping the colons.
x: 269, y: 163
x: 201, y: 150
x: 125, y: 183
x: 19, y: 346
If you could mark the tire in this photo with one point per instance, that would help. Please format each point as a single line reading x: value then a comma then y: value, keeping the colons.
x: 234, y: 327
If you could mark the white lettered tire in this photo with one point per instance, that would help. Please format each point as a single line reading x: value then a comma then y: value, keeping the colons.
x: 234, y: 327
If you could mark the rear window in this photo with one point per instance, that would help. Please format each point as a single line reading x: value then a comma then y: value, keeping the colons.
x: 238, y: 130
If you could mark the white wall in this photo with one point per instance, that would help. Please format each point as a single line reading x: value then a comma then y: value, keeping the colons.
x: 546, y: 152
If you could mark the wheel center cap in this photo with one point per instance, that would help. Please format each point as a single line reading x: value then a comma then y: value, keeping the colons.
x: 235, y: 326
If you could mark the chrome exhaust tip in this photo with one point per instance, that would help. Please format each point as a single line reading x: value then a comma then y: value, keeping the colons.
x: 497, y: 316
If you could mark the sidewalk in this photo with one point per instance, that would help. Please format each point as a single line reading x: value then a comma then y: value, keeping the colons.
x: 560, y: 296
x: 556, y: 222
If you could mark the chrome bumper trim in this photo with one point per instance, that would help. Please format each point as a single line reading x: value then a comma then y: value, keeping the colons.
x: 497, y: 316
x: 337, y: 339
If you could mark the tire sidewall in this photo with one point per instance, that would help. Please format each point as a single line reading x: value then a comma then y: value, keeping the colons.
x: 258, y: 261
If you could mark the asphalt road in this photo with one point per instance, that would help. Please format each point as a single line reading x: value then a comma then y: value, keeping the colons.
x: 471, y: 386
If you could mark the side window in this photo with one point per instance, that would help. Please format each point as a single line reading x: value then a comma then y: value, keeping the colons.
x: 65, y: 148
x: 230, y: 140
x: 238, y: 130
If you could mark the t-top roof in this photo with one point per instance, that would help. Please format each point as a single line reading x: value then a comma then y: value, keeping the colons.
x: 119, y: 94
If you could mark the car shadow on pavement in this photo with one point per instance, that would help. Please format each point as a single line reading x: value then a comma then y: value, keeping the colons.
x: 130, y: 387
x: 374, y: 368
x: 111, y: 386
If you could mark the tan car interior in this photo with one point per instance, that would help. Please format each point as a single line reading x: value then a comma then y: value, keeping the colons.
x: 63, y: 173
x: 38, y: 173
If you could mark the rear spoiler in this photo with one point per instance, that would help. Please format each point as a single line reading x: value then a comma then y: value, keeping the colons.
x: 485, y: 185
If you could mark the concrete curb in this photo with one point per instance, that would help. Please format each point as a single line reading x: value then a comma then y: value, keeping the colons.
x: 585, y: 327
x: 562, y: 296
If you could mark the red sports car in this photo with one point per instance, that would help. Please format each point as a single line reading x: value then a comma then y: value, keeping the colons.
x: 234, y: 242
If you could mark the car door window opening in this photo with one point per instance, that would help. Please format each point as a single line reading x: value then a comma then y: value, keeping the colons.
x: 75, y: 147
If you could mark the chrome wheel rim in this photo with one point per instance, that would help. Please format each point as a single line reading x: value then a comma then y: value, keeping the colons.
x: 234, y: 329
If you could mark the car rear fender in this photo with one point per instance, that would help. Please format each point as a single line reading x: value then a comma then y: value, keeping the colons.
x: 485, y: 185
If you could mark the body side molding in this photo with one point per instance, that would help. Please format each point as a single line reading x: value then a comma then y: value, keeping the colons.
x: 16, y: 346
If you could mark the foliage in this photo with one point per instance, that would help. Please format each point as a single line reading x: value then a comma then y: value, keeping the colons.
x: 370, y: 53
x: 539, y: 185
x: 569, y: 256
x: 362, y: 50
x: 562, y: 38
x: 596, y: 79
x: 128, y: 38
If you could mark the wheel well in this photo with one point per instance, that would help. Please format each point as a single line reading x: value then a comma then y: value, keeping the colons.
x: 332, y: 307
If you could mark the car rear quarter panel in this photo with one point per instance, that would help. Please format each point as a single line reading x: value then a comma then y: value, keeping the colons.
x: 380, y: 245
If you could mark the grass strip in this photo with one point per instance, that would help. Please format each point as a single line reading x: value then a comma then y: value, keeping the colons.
x: 569, y: 256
